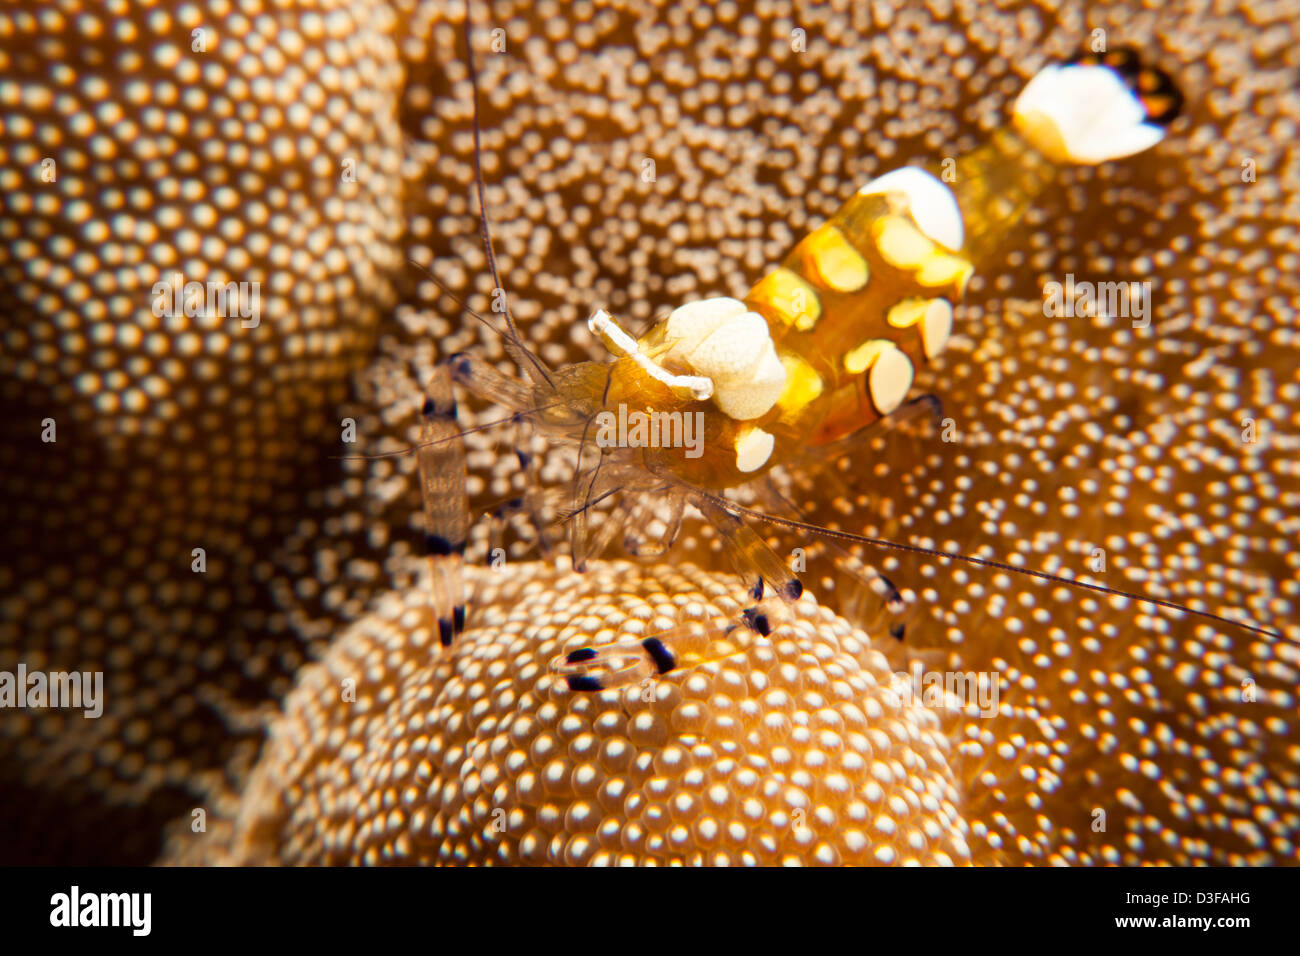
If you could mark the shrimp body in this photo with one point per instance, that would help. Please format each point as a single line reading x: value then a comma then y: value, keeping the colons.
x: 819, y: 349
x: 825, y: 345
x: 860, y: 304
x: 829, y: 342
x: 822, y: 347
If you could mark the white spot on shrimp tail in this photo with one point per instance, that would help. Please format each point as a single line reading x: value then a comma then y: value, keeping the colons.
x: 721, y: 339
x: 930, y: 203
x: 1083, y: 113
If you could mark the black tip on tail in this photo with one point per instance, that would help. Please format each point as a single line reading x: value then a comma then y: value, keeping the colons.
x: 1162, y: 100
x: 580, y: 655
x: 793, y: 590
x: 584, y: 684
x: 1153, y: 87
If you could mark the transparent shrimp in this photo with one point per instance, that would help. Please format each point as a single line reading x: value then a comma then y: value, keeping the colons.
x: 819, y: 350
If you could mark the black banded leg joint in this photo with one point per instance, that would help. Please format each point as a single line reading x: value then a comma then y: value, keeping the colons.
x: 893, y: 597
x: 461, y: 366
x: 757, y: 621
x: 432, y: 409
x: 446, y: 631
x: 935, y: 406
x: 662, y: 657
x: 436, y: 546
x: 449, y: 628
x: 582, y: 683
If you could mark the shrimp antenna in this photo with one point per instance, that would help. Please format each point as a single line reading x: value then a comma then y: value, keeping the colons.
x: 533, y: 365
x: 457, y: 299
x: 515, y: 418
x: 509, y: 419
x: 885, y: 543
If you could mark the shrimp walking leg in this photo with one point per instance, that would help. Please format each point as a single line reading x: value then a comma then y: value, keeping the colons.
x: 620, y: 663
x: 446, y: 503
x: 626, y: 663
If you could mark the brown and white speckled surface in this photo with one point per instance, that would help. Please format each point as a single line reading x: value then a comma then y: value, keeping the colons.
x: 1072, y: 434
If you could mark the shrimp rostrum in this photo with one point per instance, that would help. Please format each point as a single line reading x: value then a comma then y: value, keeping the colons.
x: 723, y: 390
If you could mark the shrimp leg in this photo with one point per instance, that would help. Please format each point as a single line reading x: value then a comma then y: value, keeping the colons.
x: 617, y: 664
x: 624, y: 663
x: 446, y: 503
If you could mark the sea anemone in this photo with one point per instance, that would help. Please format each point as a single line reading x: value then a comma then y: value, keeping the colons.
x: 1071, y: 434
x: 139, y: 143
x: 798, y: 749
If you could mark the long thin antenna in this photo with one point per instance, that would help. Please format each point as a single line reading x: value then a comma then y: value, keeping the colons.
x: 795, y: 525
x: 437, y: 441
x: 457, y: 299
x: 538, y: 367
